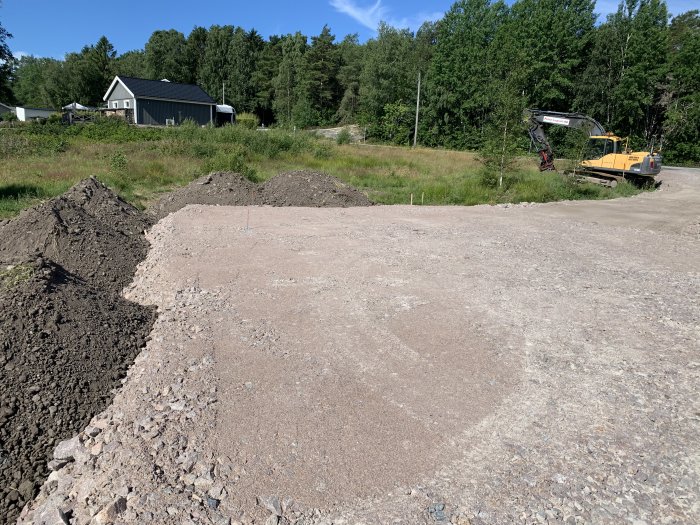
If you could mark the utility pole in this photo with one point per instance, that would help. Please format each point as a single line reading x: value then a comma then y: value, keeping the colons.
x: 415, y: 131
x: 223, y: 92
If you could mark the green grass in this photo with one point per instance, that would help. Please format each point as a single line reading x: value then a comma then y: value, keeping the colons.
x: 41, y: 161
x: 11, y: 276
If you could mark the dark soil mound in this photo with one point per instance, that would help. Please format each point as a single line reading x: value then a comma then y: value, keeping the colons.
x: 66, y: 335
x: 88, y: 231
x: 223, y: 189
x: 64, y: 346
x: 106, y: 206
x: 311, y: 189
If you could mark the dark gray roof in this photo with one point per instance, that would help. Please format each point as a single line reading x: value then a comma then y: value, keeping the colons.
x: 141, y: 87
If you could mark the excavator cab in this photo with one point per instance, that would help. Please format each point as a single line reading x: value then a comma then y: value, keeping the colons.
x: 598, y: 147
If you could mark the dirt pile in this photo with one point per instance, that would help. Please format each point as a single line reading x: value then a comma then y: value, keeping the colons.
x: 65, y: 347
x: 294, y: 188
x: 108, y: 207
x: 221, y: 188
x: 311, y: 189
x: 89, y: 231
x: 67, y: 336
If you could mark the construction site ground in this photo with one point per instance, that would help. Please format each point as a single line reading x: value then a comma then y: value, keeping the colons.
x: 406, y: 364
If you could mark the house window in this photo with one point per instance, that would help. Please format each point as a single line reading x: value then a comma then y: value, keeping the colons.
x: 115, y: 104
x: 127, y: 103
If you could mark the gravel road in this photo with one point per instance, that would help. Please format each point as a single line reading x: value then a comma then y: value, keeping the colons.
x: 396, y: 364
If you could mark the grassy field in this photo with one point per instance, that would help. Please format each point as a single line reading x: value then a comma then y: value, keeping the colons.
x: 41, y: 161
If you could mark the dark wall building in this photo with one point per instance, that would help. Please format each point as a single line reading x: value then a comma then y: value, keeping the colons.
x: 4, y: 108
x: 160, y: 102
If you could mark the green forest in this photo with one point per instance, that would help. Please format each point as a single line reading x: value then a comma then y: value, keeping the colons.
x: 637, y: 72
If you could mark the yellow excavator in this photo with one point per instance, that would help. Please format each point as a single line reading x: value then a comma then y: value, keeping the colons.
x: 607, y: 160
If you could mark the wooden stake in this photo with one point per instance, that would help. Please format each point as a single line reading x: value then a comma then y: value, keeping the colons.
x: 411, y: 199
x: 422, y: 196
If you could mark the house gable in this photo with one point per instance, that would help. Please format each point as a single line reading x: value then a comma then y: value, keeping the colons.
x: 117, y: 82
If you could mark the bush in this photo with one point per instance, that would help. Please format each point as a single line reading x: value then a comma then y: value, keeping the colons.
x: 233, y: 161
x: 247, y: 120
x: 118, y: 163
x: 323, y: 151
x: 344, y: 137
x: 16, y: 144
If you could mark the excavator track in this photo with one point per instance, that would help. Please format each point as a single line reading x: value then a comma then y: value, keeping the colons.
x: 610, y: 180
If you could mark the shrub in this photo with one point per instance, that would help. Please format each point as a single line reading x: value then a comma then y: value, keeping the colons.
x: 118, y: 162
x: 247, y: 120
x: 234, y: 161
x: 344, y: 137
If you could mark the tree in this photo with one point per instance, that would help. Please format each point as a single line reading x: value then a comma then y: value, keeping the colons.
x: 503, y: 130
x: 388, y: 76
x: 396, y: 124
x: 287, y: 83
x: 681, y: 100
x: 349, y: 72
x: 196, y: 49
x: 623, y: 83
x: 30, y: 81
x: 101, y: 62
x: 82, y: 77
x: 131, y: 64
x: 7, y: 62
x: 242, y: 60
x: 458, y: 87
x: 644, y: 69
x: 214, y: 64
x: 264, y: 76
x: 320, y: 85
x: 167, y: 57
x: 554, y: 36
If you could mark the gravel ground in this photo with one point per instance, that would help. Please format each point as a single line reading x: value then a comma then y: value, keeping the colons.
x: 485, y: 365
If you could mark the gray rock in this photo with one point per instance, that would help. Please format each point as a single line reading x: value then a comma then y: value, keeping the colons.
x: 110, y: 513
x: 50, y: 515
x: 218, y: 519
x: 26, y: 490
x: 57, y: 464
x: 177, y: 406
x: 217, y: 490
x: 271, y: 503
x: 71, y: 450
x: 203, y: 483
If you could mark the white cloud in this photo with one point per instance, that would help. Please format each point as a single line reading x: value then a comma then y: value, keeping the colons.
x: 19, y: 54
x: 367, y: 16
x: 372, y: 15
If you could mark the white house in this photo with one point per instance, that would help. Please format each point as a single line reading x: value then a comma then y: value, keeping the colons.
x: 25, y: 114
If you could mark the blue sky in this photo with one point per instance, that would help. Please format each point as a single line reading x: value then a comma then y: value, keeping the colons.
x: 55, y: 27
